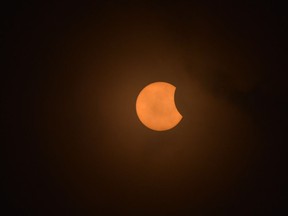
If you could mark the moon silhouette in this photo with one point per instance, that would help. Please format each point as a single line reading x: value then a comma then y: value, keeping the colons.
x: 155, y: 106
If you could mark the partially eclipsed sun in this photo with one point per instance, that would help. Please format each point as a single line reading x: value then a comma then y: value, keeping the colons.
x: 155, y: 106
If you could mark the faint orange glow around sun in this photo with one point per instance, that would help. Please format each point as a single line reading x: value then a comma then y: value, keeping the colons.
x: 155, y: 106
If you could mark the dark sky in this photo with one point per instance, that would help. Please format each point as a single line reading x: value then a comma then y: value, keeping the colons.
x: 73, y: 144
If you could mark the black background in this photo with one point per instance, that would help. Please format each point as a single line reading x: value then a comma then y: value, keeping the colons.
x: 72, y: 140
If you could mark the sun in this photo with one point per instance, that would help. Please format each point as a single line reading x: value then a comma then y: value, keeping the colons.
x: 155, y: 106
